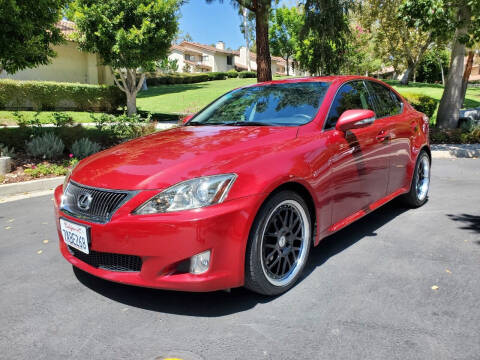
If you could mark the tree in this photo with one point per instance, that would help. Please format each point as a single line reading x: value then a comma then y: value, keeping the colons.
x: 285, y: 26
x: 360, y: 57
x: 27, y: 33
x: 397, y: 39
x: 462, y: 16
x: 261, y: 9
x: 433, y: 66
x: 129, y: 35
x: 324, y: 36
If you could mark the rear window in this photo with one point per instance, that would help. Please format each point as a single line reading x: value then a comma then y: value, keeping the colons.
x: 386, y: 102
x: 277, y: 105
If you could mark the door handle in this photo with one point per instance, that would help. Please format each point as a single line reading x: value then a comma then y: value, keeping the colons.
x: 382, y: 136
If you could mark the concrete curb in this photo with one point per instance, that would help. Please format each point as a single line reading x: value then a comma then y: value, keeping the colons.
x: 29, y: 186
x: 453, y: 151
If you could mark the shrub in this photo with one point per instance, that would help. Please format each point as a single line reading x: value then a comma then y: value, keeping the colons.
x: 47, y: 146
x: 422, y: 103
x: 84, y: 147
x: 217, y: 75
x: 247, y: 74
x: 46, y: 169
x: 47, y: 95
x: 62, y: 119
x: 232, y: 73
x: 171, y: 79
x: 7, y: 151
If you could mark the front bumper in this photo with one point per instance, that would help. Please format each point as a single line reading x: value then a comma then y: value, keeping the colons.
x: 165, y: 240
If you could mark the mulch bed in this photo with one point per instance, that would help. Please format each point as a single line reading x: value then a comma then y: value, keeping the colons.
x: 22, y: 162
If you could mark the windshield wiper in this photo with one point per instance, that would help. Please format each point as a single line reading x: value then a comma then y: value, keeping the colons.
x: 210, y: 124
x: 252, y: 123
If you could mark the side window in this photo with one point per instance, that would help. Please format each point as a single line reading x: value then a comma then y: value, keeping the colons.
x: 386, y: 102
x: 352, y: 95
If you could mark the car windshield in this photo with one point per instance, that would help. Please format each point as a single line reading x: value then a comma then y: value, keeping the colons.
x: 288, y: 104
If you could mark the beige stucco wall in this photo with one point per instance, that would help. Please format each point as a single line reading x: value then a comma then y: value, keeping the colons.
x: 216, y: 61
x: 70, y: 65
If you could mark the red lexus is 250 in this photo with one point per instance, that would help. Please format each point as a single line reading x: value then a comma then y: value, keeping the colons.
x: 240, y: 194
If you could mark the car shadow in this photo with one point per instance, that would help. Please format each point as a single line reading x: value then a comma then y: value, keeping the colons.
x: 220, y: 303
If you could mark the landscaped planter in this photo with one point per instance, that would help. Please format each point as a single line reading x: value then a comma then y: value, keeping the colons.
x: 5, y: 165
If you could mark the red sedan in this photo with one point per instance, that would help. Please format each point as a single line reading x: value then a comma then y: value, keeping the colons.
x: 239, y: 195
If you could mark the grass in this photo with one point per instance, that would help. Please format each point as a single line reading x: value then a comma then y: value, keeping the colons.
x: 472, y: 99
x: 186, y: 98
x: 8, y: 117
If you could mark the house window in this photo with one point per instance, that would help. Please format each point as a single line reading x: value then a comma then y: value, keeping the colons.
x: 189, y: 57
x: 204, y: 58
x: 229, y: 60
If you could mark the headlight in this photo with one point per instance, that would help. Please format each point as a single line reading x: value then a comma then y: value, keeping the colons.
x: 190, y: 194
x: 67, y: 177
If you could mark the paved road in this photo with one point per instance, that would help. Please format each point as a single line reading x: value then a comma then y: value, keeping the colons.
x: 367, y: 293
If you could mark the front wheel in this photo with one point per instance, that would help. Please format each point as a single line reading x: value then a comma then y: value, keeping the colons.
x: 418, y: 194
x: 278, y: 245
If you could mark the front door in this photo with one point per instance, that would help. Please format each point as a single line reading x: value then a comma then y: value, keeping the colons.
x: 359, y: 165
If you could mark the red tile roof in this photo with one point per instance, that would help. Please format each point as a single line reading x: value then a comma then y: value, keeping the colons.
x: 66, y: 27
x: 206, y: 47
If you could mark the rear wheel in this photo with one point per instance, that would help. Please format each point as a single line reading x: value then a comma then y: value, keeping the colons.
x: 418, y: 194
x: 278, y: 245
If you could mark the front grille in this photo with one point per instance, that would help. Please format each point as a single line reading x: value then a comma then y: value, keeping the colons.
x: 108, y: 261
x: 99, y: 206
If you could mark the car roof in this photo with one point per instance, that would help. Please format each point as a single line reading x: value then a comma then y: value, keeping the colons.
x: 329, y: 79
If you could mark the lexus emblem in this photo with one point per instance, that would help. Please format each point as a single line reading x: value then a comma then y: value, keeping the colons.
x: 84, y: 201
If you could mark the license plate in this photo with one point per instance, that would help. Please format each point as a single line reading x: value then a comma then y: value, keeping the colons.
x: 75, y: 235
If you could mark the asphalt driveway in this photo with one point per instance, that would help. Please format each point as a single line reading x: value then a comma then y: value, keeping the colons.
x: 399, y: 284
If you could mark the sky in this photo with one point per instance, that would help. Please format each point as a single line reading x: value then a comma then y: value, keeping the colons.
x: 210, y: 23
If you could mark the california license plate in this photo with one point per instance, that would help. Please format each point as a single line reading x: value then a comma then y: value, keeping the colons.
x: 75, y: 235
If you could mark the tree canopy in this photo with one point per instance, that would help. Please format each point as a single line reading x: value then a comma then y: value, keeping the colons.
x: 28, y: 32
x: 324, y: 36
x: 129, y: 35
x: 285, y: 26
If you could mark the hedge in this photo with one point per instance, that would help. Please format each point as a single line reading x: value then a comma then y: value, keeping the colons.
x: 247, y: 74
x: 422, y: 103
x: 48, y: 95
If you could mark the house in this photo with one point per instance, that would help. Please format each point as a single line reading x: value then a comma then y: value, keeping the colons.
x: 70, y: 64
x: 195, y: 57
x: 278, y: 64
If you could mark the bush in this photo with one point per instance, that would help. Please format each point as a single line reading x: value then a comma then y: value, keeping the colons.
x: 217, y: 75
x: 232, y: 73
x: 247, y: 74
x: 171, y: 79
x: 422, y: 103
x: 47, y: 169
x: 7, y: 151
x: 61, y: 119
x: 47, y: 146
x: 84, y: 147
x: 47, y: 95
x: 455, y: 136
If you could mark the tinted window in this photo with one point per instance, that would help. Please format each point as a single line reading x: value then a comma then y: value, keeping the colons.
x: 277, y: 104
x: 352, y: 95
x: 386, y: 102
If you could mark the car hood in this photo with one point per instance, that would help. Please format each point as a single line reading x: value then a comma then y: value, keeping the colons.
x: 167, y: 157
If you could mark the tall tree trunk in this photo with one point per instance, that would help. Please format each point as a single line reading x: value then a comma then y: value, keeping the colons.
x: 286, y: 59
x: 442, y: 72
x: 406, y: 75
x: 264, y: 65
x: 451, y: 102
x: 466, y: 74
x: 247, y: 38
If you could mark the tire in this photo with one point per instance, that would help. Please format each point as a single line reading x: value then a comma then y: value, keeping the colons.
x: 278, y: 245
x: 418, y: 194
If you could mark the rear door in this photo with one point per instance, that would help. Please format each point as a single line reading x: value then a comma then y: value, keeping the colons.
x: 359, y: 166
x: 398, y: 131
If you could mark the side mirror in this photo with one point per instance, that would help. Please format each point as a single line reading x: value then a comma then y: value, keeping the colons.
x: 187, y: 118
x: 355, y: 119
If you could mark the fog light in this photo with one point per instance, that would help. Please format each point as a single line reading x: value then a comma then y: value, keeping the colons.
x: 199, y: 263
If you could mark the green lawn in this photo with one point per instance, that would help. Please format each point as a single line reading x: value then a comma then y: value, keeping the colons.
x: 186, y: 98
x: 8, y: 117
x: 472, y: 99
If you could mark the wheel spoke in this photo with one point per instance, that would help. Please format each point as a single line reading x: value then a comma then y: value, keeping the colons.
x: 284, y: 265
x: 273, y: 263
